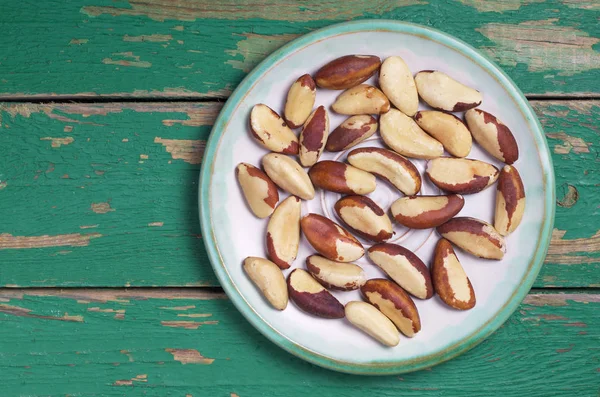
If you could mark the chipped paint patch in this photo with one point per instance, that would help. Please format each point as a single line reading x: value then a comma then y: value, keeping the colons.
x: 197, y: 117
x: 152, y: 38
x: 129, y: 382
x: 187, y: 324
x: 559, y: 299
x: 78, y: 41
x: 189, y: 356
x: 3, y: 184
x: 254, y: 48
x: 542, y: 47
x: 570, y: 143
x: 570, y: 196
x: 23, y: 312
x: 188, y: 307
x: 68, y: 128
x: 190, y: 151
x: 129, y: 59
x: 128, y: 354
x: 8, y: 241
x: 88, y: 226
x: 498, y: 5
x: 143, y: 157
x: 119, y: 313
x: 58, y: 142
x: 102, y: 208
x: 564, y: 251
x: 156, y: 224
x: 194, y: 315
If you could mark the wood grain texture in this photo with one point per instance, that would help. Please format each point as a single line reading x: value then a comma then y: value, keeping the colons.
x: 106, y: 194
x: 192, y: 343
x: 188, y: 48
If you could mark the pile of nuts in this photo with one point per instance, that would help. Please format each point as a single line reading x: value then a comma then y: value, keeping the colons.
x: 388, y: 308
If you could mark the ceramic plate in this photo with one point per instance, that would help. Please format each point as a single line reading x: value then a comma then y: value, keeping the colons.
x: 231, y: 232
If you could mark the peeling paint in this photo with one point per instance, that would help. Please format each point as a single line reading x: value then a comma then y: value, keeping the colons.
x: 498, y: 5
x: 570, y: 196
x: 570, y: 143
x: 190, y: 151
x: 197, y: 117
x: 129, y: 382
x: 564, y: 251
x: 187, y: 324
x: 132, y: 60
x: 23, y: 312
x: 254, y: 48
x: 152, y: 38
x: 559, y: 299
x: 78, y: 41
x: 119, y: 313
x: 8, y: 241
x: 101, y: 208
x: 58, y: 142
x: 189, y: 356
x: 542, y: 48
x: 188, y: 307
x: 194, y: 315
x: 156, y: 224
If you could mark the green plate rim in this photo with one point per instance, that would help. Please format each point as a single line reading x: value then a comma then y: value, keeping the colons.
x: 375, y: 368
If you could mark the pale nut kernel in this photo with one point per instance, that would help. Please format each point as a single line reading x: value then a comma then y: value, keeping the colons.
x: 364, y: 217
x: 259, y: 190
x: 283, y: 232
x: 475, y: 236
x: 372, y: 322
x: 397, y: 83
x: 448, y: 129
x: 269, y: 280
x: 351, y: 132
x: 425, y: 212
x: 362, y: 99
x: 394, y: 303
x: 330, y: 239
x: 510, y: 201
x: 462, y: 176
x: 347, y: 71
x: 270, y: 130
x: 300, y: 101
x: 312, y: 297
x: 341, y: 178
x: 388, y: 165
x: 313, y: 137
x: 442, y: 92
x: 404, y: 267
x: 493, y: 135
x: 288, y: 175
x: 336, y: 275
x: 403, y: 135
x: 449, y: 278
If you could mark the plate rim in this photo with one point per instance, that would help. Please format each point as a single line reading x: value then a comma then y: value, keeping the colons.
x: 376, y: 368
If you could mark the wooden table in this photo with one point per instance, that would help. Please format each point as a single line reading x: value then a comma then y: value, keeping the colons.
x: 106, y: 287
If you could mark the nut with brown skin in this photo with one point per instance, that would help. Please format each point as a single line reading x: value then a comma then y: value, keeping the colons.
x: 392, y: 301
x: 449, y: 278
x: 403, y: 135
x: 390, y: 166
x: 330, y: 239
x: 313, y: 136
x: 288, y: 175
x: 300, y: 101
x: 398, y: 84
x: 474, y: 236
x: 442, y: 92
x: 492, y: 135
x: 341, y: 178
x: 312, y: 297
x: 404, y: 267
x: 351, y: 132
x: 347, y: 71
x: 269, y: 129
x: 269, y: 280
x: 448, y: 129
x: 424, y: 212
x: 510, y: 201
x: 283, y: 232
x: 462, y: 176
x: 336, y: 275
x: 259, y: 190
x: 362, y: 99
x: 364, y: 217
x: 371, y: 321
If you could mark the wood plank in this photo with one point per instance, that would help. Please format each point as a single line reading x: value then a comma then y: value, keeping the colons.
x: 105, y: 194
x: 190, y: 343
x: 157, y: 48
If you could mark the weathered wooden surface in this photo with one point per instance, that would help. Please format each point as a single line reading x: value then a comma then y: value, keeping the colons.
x: 106, y: 194
x: 158, y: 48
x: 194, y: 343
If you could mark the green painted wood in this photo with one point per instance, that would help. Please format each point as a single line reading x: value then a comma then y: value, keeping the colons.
x: 157, y: 48
x: 193, y: 343
x: 106, y: 194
